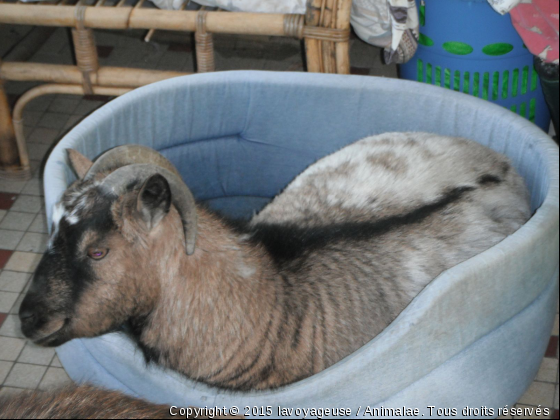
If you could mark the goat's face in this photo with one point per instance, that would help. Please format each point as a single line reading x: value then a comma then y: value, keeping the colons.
x: 99, y: 269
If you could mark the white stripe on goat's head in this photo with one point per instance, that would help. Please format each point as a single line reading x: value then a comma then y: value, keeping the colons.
x: 75, y: 204
x: 129, y: 204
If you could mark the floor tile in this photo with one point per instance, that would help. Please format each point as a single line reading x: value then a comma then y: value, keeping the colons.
x: 14, y: 187
x: 56, y: 362
x: 87, y: 106
x: 26, y: 288
x: 548, y: 370
x: 7, y: 300
x: 17, y: 304
x: 36, y: 169
x: 107, y: 38
x: 19, y: 88
x: 72, y: 121
x: 5, y: 368
x: 17, y: 221
x: 173, y: 61
x: 23, y: 262
x: 54, y: 120
x: 9, y: 239
x: 40, y: 104
x: 36, y: 355
x: 556, y: 397
x: 39, y: 225
x: 54, y: 378
x: 27, y: 131
x: 11, y: 281
x: 25, y: 376
x: 31, y: 118
x: 65, y: 105
x: 551, y: 350
x: 34, y: 187
x: 3, y: 317
x: 2, y: 214
x: 38, y: 151
x: 10, y: 348
x: 6, y: 391
x: 44, y: 135
x: 28, y: 204
x: 56, y: 42
x: 4, y: 257
x: 539, y: 393
x: 11, y: 327
x: 555, y: 328
x: 176, y: 47
x: 33, y: 242
x: 7, y: 200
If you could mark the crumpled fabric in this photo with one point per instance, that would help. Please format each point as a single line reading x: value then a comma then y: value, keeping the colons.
x: 390, y: 24
x: 405, y: 30
x: 537, y: 23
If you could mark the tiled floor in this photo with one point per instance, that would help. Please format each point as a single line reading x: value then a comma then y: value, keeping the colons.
x: 22, y: 240
x: 22, y: 222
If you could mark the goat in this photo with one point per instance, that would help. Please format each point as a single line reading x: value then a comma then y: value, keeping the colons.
x: 89, y: 402
x: 315, y: 275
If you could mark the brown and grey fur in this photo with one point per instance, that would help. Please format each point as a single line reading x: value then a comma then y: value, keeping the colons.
x: 318, y: 273
x: 88, y: 402
x: 79, y: 402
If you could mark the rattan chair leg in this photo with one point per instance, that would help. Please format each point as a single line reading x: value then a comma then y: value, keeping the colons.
x: 328, y: 20
x: 204, y: 45
x: 85, y: 49
x: 50, y: 90
x: 344, y: 8
x: 10, y: 165
x: 313, y: 46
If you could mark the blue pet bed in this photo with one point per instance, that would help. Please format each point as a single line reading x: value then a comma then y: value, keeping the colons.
x: 474, y: 337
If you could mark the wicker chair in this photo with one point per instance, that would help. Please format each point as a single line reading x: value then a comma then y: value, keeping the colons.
x: 325, y: 29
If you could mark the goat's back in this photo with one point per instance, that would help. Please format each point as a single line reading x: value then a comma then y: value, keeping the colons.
x: 358, y: 234
x: 394, y: 174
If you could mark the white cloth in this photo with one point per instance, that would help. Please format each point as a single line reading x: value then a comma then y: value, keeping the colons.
x: 504, y: 6
x: 257, y: 6
x: 378, y: 22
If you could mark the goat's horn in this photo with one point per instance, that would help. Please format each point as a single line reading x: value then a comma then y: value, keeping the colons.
x: 117, y: 182
x: 127, y: 155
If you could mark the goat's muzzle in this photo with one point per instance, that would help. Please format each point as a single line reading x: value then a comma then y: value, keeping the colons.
x: 39, y: 326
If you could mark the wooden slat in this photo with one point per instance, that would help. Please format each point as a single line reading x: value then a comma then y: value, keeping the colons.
x: 127, y: 17
x: 105, y: 76
x: 328, y: 49
x: 312, y: 46
x: 344, y: 8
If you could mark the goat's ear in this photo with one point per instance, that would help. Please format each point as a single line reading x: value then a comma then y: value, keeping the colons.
x: 154, y: 201
x: 79, y: 162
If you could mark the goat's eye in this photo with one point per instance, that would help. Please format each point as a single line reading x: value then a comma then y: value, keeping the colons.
x: 97, y: 253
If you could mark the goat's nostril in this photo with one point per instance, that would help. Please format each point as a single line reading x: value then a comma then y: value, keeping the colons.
x: 26, y: 314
